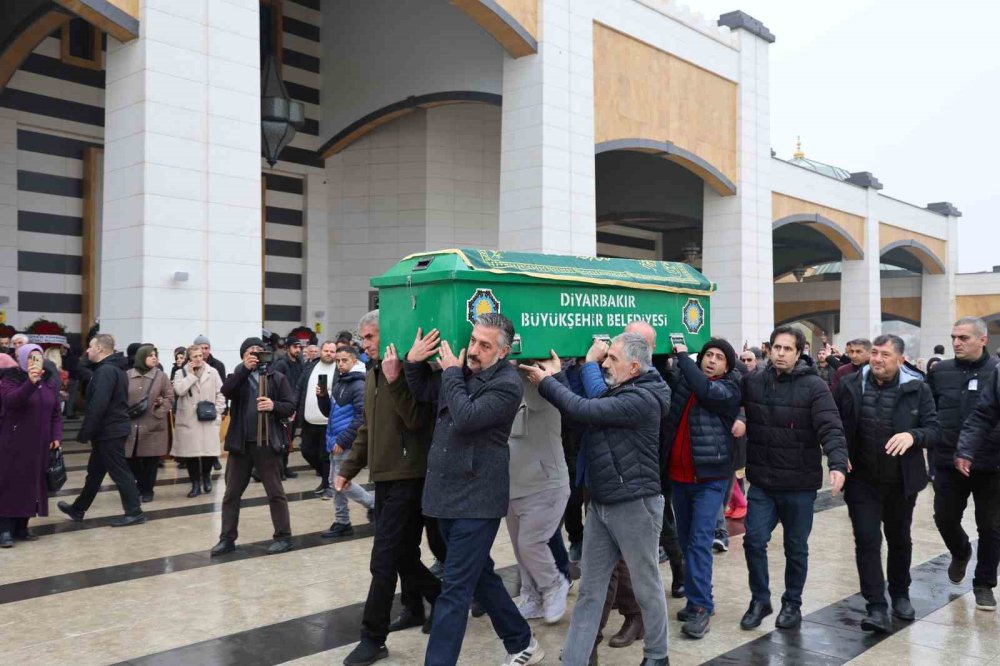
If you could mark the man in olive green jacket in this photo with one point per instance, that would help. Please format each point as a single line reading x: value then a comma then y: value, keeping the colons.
x: 393, y: 443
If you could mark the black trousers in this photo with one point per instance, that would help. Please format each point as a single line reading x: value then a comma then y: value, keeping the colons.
x: 18, y: 527
x: 668, y: 534
x: 313, y: 447
x: 434, y: 539
x: 238, y: 469
x: 144, y: 470
x: 199, y: 468
x: 108, y: 458
x: 396, y: 552
x: 874, y: 508
x: 573, y: 515
x: 951, y: 496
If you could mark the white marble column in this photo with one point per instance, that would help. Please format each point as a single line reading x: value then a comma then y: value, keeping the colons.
x: 182, y: 190
x: 937, y: 295
x: 737, y: 247
x: 547, y: 195
x: 317, y: 251
x: 861, y: 284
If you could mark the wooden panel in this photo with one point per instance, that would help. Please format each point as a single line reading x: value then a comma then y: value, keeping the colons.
x: 519, y: 38
x: 906, y: 308
x: 979, y: 305
x: 783, y: 206
x: 641, y: 92
x: 91, y: 202
x: 25, y: 43
x: 889, y: 234
x: 524, y: 12
x: 96, y: 13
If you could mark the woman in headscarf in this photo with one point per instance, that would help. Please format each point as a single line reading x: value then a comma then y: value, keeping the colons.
x: 195, y: 440
x: 149, y: 438
x: 30, y: 425
x: 180, y: 358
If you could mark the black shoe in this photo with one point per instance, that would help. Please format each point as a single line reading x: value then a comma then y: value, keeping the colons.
x: 217, y: 466
x: 290, y: 473
x: 649, y: 661
x: 697, y: 624
x: 6, y: 540
x: 224, y: 546
x: 320, y: 489
x: 956, y: 570
x: 407, y: 619
x: 789, y: 617
x: 686, y: 613
x: 755, y: 615
x: 146, y: 497
x: 984, y: 598
x: 73, y: 514
x: 195, y: 489
x: 677, y: 580
x: 477, y: 609
x: 338, y: 530
x: 366, y: 653
x: 126, y: 520
x: 206, y: 482
x: 279, y: 546
x: 877, y: 619
x: 903, y: 609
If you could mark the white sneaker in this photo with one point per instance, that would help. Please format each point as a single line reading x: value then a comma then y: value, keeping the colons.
x: 532, y: 654
x: 554, y: 602
x: 530, y: 607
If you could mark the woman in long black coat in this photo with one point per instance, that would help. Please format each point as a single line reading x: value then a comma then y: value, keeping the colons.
x: 30, y: 424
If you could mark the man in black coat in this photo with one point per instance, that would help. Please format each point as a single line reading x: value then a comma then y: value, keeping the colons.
x: 957, y: 385
x: 292, y: 366
x: 792, y: 421
x: 256, y: 439
x: 468, y: 480
x: 889, y: 419
x: 106, y: 426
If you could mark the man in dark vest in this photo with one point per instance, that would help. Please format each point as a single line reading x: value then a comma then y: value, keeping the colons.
x: 889, y: 419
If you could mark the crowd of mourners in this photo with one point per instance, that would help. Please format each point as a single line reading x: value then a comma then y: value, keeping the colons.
x: 640, y: 459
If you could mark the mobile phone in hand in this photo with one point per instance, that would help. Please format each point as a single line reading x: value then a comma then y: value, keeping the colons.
x: 323, y: 383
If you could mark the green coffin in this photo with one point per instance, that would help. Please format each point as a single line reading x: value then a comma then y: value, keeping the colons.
x: 556, y: 302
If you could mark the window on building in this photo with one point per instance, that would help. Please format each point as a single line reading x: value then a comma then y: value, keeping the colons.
x: 82, y: 44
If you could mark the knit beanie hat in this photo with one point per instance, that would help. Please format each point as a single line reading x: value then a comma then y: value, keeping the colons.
x: 725, y: 348
x: 202, y: 340
x: 248, y: 343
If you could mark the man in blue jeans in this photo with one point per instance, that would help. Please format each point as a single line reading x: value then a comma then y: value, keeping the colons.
x: 698, y: 451
x: 468, y: 481
x: 791, y: 421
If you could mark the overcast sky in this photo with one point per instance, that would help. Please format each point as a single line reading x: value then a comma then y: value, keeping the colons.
x: 907, y: 90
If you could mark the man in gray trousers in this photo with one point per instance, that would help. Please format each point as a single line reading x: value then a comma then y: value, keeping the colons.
x: 621, y: 449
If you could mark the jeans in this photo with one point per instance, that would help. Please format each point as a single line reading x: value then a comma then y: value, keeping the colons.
x: 396, y: 553
x: 468, y: 573
x: 951, y: 495
x: 873, y: 508
x: 108, y: 458
x: 629, y: 531
x: 341, y: 512
x: 765, y: 509
x: 696, y: 506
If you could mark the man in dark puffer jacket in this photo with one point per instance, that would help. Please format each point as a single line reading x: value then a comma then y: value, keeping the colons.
x: 889, y: 419
x: 790, y: 413
x: 698, y: 449
x: 957, y: 385
x: 620, y: 446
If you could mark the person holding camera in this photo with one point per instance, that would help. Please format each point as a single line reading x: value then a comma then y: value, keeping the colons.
x: 260, y: 400
x: 30, y: 425
x: 150, y: 399
x: 200, y: 405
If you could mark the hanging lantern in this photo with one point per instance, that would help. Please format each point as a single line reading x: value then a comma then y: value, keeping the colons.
x: 280, y: 117
x: 799, y: 272
x: 691, y: 251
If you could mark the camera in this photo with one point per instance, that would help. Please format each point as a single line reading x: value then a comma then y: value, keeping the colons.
x: 263, y: 357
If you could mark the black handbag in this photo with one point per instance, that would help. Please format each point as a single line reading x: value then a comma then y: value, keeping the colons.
x: 205, y: 410
x: 55, y: 474
x: 138, y: 409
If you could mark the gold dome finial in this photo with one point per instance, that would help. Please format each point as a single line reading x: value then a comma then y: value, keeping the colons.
x: 798, y: 148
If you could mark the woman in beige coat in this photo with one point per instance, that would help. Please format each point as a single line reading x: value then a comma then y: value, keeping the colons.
x: 197, y: 441
x: 149, y: 438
